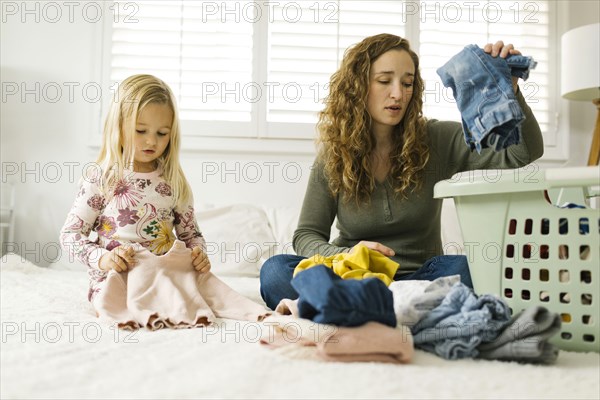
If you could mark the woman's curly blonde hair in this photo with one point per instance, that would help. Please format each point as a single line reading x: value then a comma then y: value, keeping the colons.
x: 345, y: 138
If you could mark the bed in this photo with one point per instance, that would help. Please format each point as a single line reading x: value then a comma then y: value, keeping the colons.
x: 53, y: 346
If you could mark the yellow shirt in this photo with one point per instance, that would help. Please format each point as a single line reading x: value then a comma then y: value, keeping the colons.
x: 361, y: 263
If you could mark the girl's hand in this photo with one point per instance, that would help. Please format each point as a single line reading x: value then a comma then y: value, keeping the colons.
x: 386, y: 251
x: 200, y: 260
x: 120, y: 259
x: 499, y: 49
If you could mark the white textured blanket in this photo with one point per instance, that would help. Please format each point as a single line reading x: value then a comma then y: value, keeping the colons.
x: 54, y: 347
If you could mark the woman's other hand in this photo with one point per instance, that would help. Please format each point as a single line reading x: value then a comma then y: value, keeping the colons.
x: 386, y: 251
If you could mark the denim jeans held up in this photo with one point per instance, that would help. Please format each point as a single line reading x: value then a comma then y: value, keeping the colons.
x: 482, y: 88
x: 277, y: 272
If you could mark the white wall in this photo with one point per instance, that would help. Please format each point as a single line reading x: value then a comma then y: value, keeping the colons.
x: 47, y: 139
x: 36, y: 132
x: 582, y: 116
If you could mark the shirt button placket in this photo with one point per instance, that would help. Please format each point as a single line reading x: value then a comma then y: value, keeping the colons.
x: 387, y: 213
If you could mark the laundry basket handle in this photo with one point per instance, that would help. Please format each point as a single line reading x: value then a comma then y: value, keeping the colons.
x: 573, y: 176
x: 510, y: 182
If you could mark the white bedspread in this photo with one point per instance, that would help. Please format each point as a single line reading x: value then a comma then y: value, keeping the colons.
x: 54, y: 347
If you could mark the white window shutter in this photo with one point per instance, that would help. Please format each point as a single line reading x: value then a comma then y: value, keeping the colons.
x: 305, y: 47
x: 204, y: 54
x: 261, y: 69
x: 445, y: 28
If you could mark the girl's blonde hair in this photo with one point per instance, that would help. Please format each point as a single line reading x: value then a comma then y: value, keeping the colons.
x: 117, y: 152
x: 345, y: 138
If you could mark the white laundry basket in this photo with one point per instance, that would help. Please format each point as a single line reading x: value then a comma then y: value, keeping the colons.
x: 531, y: 252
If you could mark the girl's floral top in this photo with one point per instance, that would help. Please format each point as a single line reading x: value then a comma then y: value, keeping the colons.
x: 141, y: 210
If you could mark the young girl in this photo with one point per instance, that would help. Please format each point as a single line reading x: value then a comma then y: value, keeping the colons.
x: 140, y: 192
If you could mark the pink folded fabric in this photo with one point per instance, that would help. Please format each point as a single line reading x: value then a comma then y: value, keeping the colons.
x: 166, y: 291
x: 369, y: 342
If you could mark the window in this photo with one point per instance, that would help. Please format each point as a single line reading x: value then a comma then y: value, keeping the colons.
x: 445, y: 27
x: 207, y: 60
x: 260, y: 69
x: 302, y: 55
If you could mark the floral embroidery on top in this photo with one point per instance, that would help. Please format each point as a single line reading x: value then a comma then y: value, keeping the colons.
x: 162, y: 233
x: 96, y: 202
x: 164, y: 214
x: 141, y: 184
x: 186, y: 219
x: 127, y: 217
x: 164, y: 189
x: 112, y: 244
x: 126, y: 194
x: 75, y: 223
x: 106, y: 226
x: 189, y: 226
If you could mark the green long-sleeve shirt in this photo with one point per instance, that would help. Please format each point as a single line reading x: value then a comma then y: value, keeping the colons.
x: 410, y: 226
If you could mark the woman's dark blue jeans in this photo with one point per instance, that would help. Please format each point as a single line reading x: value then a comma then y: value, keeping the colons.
x: 277, y: 272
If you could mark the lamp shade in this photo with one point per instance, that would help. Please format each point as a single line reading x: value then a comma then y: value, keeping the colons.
x: 580, y: 65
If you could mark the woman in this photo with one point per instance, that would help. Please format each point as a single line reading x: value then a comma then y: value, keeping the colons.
x: 378, y: 162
